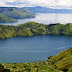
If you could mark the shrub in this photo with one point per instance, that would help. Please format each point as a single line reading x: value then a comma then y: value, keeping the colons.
x: 6, y: 70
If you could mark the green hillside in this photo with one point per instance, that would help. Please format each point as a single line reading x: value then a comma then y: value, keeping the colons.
x: 63, y: 60
x: 33, y: 28
x: 6, y: 31
x: 29, y: 67
x: 27, y: 11
x: 5, y: 19
x: 15, y: 13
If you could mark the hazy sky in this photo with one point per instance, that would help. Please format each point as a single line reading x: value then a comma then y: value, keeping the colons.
x: 64, y: 4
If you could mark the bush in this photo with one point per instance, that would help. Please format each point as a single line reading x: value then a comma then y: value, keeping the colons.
x: 6, y: 70
x: 65, y: 70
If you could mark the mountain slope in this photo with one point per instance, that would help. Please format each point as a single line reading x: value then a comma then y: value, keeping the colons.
x: 63, y: 60
x: 38, y: 9
x: 14, y: 13
x: 5, y: 19
x: 26, y: 11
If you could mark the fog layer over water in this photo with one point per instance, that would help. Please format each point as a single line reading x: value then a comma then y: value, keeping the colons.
x: 46, y: 18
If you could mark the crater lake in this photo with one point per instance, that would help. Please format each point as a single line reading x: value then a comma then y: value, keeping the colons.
x: 31, y: 49
x: 35, y: 48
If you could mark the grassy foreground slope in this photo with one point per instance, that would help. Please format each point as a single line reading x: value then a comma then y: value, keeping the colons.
x: 29, y: 67
x: 5, y: 19
x: 62, y: 62
x: 33, y: 28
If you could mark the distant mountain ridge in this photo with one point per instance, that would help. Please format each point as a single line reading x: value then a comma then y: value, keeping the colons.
x: 39, y: 9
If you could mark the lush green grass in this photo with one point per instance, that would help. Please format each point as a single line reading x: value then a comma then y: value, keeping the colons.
x: 5, y: 19
x: 33, y: 28
x: 30, y: 67
x: 63, y: 60
x: 6, y: 31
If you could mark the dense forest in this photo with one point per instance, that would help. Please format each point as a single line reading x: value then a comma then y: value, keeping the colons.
x: 62, y: 62
x: 33, y: 28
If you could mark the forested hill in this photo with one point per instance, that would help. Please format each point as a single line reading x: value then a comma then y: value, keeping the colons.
x: 33, y: 28
x: 15, y: 13
x: 27, y: 11
x: 5, y: 19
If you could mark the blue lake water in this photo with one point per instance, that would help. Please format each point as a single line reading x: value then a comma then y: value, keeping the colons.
x: 46, y: 18
x: 31, y: 49
x: 36, y: 48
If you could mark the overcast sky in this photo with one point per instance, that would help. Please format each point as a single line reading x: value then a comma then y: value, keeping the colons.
x: 57, y: 4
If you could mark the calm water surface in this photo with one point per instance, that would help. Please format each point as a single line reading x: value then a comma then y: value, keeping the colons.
x: 37, y: 48
x: 46, y: 18
x: 31, y: 49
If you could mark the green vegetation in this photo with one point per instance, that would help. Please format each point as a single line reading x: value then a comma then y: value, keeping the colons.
x: 8, y: 13
x: 5, y: 19
x: 30, y: 13
x: 62, y: 62
x: 30, y: 67
x: 6, y: 31
x: 15, y: 13
x: 3, y: 70
x: 33, y: 28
